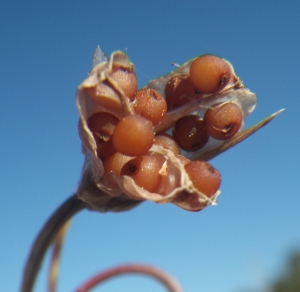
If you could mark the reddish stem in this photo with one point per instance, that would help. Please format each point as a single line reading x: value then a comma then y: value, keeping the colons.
x: 167, y: 280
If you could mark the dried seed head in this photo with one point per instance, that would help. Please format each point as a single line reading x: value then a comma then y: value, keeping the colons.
x: 145, y: 166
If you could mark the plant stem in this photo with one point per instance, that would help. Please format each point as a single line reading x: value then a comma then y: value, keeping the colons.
x: 54, y: 262
x: 46, y: 236
x: 167, y: 280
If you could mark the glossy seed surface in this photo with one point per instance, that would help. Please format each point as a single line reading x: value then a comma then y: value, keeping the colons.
x: 210, y: 74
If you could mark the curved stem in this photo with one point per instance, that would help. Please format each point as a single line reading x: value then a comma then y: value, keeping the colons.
x: 171, y: 284
x: 70, y: 207
x: 54, y: 263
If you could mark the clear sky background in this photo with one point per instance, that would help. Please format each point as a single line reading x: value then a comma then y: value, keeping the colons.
x: 46, y: 50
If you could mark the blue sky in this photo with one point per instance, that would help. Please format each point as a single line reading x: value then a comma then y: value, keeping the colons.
x: 45, y: 52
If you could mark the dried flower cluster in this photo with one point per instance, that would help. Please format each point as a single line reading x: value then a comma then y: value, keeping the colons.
x: 154, y: 143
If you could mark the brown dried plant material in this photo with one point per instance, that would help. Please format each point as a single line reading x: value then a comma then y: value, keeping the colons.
x: 104, y: 191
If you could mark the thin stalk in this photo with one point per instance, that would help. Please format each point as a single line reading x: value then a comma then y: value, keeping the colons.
x: 167, y: 280
x: 46, y: 236
x: 54, y: 263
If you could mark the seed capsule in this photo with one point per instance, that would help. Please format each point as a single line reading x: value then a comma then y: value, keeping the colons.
x: 102, y: 126
x: 115, y: 162
x: 204, y: 177
x: 190, y: 133
x: 126, y: 80
x: 167, y: 142
x: 151, y: 105
x: 179, y: 91
x: 209, y: 74
x: 223, y: 121
x: 133, y: 136
x: 144, y: 170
